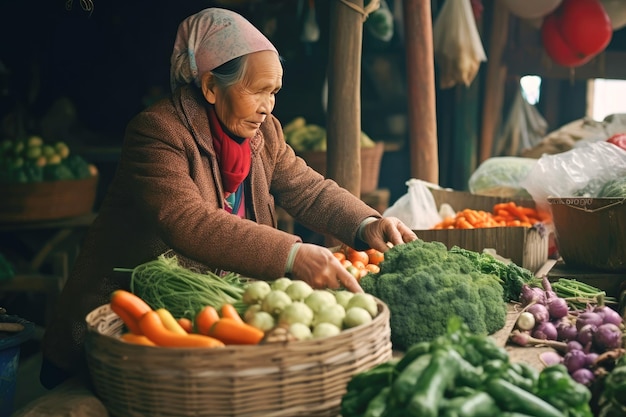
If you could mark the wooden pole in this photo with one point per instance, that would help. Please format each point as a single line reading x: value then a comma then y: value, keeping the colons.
x: 422, y: 112
x: 495, y: 79
x: 344, y: 96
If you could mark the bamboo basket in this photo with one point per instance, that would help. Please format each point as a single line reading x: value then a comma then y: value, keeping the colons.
x: 371, y: 159
x: 305, y: 378
x: 47, y: 200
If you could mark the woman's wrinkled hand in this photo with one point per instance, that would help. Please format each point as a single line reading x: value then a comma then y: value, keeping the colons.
x: 385, y: 232
x: 317, y: 266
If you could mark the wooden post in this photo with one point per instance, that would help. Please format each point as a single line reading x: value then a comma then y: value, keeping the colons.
x: 422, y: 112
x: 495, y: 79
x: 344, y: 96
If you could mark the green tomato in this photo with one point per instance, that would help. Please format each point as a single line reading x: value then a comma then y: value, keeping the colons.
x: 356, y: 316
x: 298, y: 290
x: 296, y: 312
x: 281, y: 283
x: 366, y: 301
x: 333, y: 314
x: 255, y: 292
x: 300, y: 331
x: 323, y: 330
x: 275, y: 302
x: 320, y: 299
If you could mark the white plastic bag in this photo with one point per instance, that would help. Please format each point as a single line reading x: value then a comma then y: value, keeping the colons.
x: 417, y: 208
x: 458, y: 48
x: 525, y: 127
x: 579, y: 172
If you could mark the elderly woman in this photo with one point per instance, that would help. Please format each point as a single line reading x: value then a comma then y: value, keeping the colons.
x: 200, y: 175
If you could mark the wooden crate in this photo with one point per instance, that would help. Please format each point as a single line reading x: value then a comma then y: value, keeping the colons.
x: 47, y: 200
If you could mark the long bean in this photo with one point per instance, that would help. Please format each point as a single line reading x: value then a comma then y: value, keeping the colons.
x: 165, y: 283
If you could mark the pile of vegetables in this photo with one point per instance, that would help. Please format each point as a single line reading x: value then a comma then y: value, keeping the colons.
x: 503, y: 214
x: 461, y: 374
x: 33, y: 160
x: 583, y: 337
x: 303, y: 136
x: 359, y: 262
x: 424, y: 284
x: 149, y: 327
x: 305, y: 313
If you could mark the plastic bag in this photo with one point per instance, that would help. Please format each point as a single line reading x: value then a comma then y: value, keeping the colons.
x: 525, y: 127
x: 579, y: 172
x: 417, y: 208
x: 501, y: 176
x: 458, y: 48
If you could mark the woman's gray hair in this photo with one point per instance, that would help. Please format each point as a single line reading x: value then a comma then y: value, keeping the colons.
x: 231, y: 72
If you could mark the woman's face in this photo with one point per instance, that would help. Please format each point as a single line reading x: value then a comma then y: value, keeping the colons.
x: 242, y: 107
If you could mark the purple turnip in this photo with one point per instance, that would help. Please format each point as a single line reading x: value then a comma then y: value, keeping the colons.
x: 574, y: 360
x: 607, y: 336
x: 532, y: 295
x: 545, y: 330
x: 540, y: 312
x: 588, y: 317
x: 583, y: 376
x: 557, y: 307
x: 585, y: 334
x: 566, y: 330
x: 608, y: 315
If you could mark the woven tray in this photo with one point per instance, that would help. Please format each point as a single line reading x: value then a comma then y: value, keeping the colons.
x: 306, y: 378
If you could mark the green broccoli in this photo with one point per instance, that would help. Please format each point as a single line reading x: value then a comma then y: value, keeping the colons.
x: 424, y: 285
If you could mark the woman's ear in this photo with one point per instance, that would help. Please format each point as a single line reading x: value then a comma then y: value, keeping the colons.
x: 208, y: 86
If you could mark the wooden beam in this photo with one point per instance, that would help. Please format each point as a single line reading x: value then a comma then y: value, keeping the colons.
x: 344, y: 96
x: 495, y: 79
x: 421, y: 111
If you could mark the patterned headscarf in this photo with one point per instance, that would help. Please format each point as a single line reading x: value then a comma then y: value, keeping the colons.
x: 210, y: 38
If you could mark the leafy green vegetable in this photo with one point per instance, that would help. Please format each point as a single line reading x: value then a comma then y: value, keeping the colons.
x: 613, y: 188
x: 510, y: 275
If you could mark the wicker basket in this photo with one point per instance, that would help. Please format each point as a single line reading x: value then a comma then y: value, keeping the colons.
x: 306, y: 378
x: 370, y: 164
x: 47, y: 200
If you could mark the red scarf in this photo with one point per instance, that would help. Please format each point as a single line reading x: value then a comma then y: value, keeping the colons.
x: 234, y: 158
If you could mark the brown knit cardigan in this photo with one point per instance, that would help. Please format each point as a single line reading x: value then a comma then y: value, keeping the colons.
x: 167, y: 195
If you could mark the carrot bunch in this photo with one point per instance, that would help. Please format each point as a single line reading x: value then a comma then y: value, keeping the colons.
x: 150, y: 327
x: 502, y: 215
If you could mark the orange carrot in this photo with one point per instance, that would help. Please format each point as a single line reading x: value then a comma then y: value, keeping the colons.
x: 186, y: 324
x: 152, y: 326
x: 228, y: 310
x: 205, y: 319
x: 137, y: 339
x: 129, y: 321
x: 129, y: 307
x: 232, y: 332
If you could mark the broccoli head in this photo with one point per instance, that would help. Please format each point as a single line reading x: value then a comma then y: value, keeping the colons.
x: 424, y: 285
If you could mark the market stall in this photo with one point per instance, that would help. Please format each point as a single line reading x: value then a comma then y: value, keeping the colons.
x: 449, y: 307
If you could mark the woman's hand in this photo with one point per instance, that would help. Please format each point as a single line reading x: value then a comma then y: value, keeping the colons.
x: 317, y: 266
x: 386, y: 231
